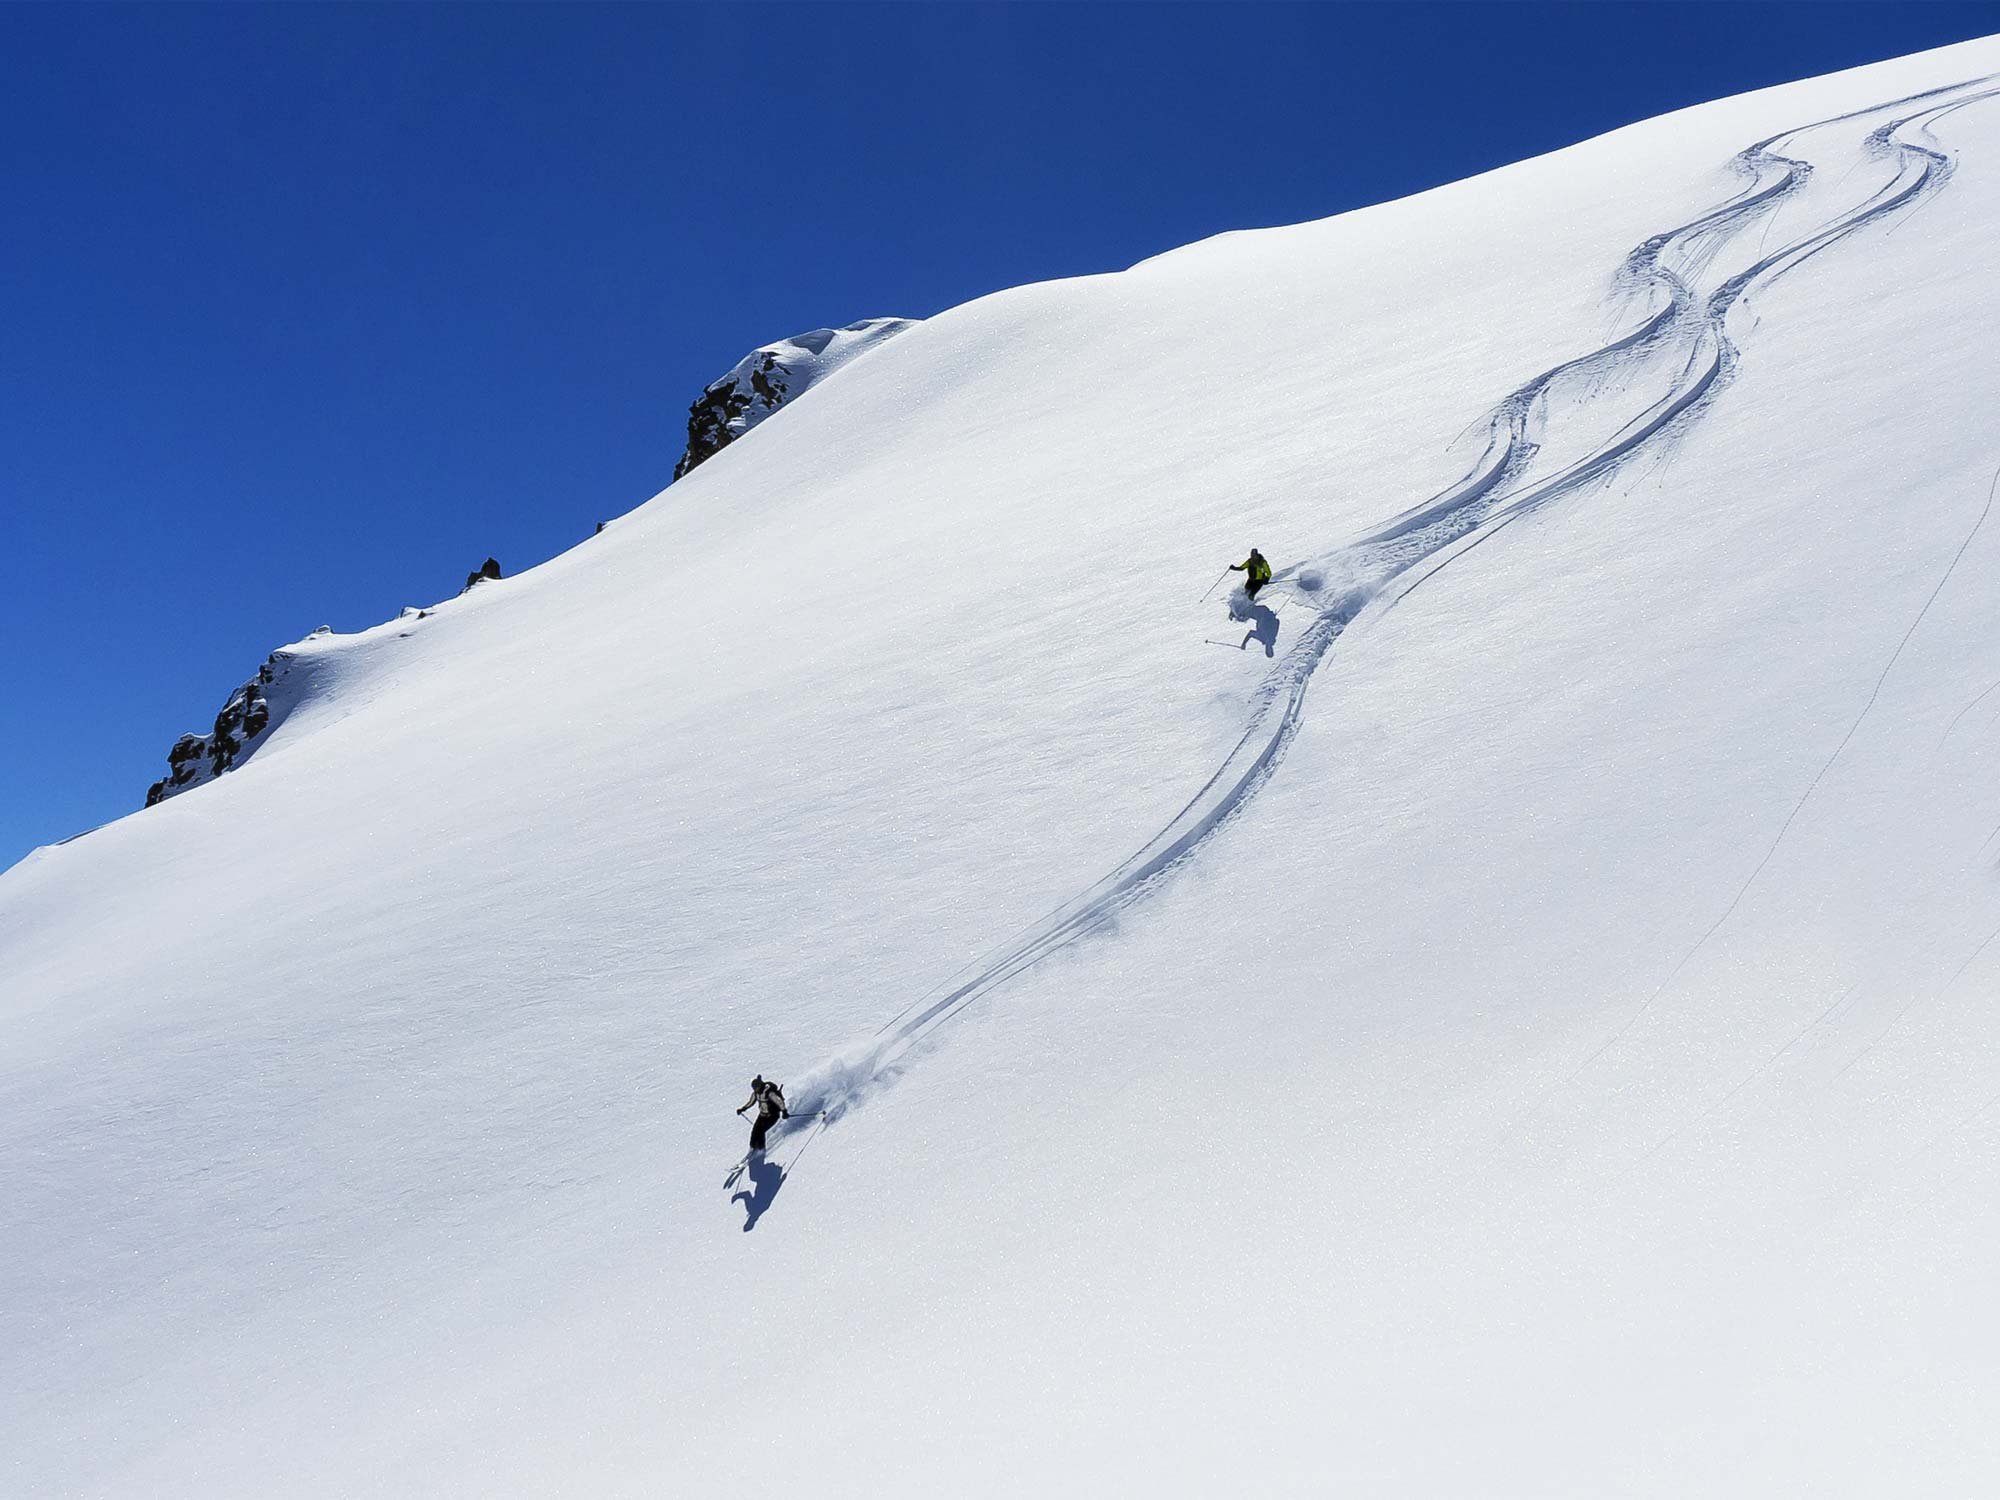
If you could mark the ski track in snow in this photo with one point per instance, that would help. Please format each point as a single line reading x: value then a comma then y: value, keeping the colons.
x: 1651, y: 380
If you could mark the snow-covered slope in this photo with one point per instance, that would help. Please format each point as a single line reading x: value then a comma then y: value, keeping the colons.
x: 1530, y: 1033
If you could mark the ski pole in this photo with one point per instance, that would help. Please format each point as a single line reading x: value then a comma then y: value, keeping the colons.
x: 1213, y: 586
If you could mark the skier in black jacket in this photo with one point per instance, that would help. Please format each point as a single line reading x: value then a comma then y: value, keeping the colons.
x: 770, y: 1102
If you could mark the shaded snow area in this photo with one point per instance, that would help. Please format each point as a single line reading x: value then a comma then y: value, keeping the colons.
x: 768, y: 377
x: 1529, y: 1034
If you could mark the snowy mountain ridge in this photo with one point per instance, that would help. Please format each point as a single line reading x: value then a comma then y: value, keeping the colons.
x: 769, y: 376
x: 761, y: 382
x: 1558, y: 1014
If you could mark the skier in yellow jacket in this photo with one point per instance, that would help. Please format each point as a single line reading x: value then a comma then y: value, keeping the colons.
x: 1256, y: 573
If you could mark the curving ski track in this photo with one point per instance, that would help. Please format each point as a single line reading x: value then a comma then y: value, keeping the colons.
x: 1650, y: 380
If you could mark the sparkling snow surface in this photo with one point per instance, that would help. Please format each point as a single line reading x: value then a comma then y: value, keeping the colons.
x: 1532, y: 1034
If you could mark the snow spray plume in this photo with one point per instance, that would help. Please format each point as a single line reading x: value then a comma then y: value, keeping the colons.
x: 847, y: 1079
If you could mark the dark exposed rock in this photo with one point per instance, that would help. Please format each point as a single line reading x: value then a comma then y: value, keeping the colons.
x: 253, y: 710
x: 197, y: 758
x: 769, y: 377
x: 717, y: 419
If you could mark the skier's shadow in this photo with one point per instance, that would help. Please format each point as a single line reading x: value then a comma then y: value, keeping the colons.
x: 765, y: 1178
x: 1263, y: 626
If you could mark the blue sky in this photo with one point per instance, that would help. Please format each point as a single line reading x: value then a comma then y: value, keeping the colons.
x: 308, y: 310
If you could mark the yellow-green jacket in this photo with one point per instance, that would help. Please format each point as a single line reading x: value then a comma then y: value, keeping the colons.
x: 1254, y: 565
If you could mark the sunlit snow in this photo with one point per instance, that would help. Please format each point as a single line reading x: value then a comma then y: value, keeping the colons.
x: 1530, y: 1033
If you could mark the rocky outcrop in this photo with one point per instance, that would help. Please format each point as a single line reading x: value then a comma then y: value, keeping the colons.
x: 769, y: 377
x: 256, y: 708
x: 245, y: 718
